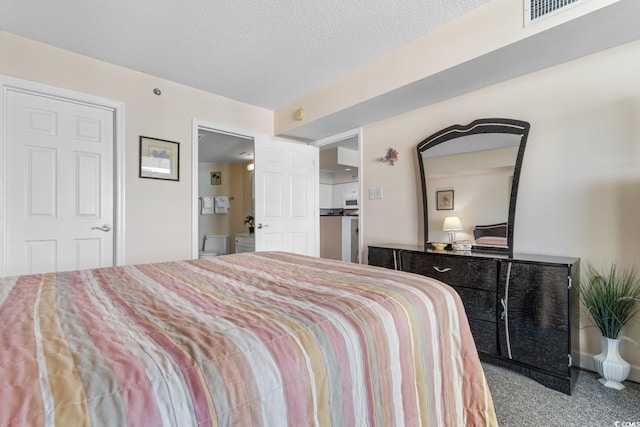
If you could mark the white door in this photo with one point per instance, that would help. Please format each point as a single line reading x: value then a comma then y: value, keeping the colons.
x: 286, y: 176
x: 59, y: 184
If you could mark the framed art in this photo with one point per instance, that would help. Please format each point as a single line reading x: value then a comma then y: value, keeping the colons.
x: 444, y: 200
x: 216, y: 178
x: 159, y: 159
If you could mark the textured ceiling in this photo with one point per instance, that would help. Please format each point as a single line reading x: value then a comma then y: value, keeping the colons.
x: 263, y: 53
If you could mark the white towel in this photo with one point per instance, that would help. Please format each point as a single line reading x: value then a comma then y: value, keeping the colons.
x: 207, y: 205
x: 221, y: 204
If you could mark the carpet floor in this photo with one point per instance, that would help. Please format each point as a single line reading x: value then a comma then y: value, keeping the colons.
x: 520, y: 401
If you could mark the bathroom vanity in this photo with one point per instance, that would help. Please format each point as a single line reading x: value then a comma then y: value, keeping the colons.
x: 245, y: 242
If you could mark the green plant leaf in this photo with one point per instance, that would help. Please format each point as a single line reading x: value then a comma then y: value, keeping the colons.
x: 611, y: 297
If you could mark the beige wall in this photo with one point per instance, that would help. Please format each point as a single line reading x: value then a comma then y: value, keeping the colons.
x: 497, y: 24
x: 580, y: 183
x: 157, y: 213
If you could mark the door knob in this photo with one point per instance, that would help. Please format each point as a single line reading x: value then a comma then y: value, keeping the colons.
x: 104, y: 227
x: 260, y: 225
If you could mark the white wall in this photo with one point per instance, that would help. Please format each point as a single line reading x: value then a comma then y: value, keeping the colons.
x: 326, y: 178
x: 580, y: 182
x: 157, y: 213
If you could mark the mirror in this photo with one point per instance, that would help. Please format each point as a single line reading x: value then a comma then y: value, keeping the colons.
x: 471, y: 173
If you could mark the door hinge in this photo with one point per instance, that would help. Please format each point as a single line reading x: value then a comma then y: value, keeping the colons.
x: 570, y: 360
x: 570, y: 282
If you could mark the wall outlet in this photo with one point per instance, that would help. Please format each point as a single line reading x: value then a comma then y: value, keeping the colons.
x: 375, y: 193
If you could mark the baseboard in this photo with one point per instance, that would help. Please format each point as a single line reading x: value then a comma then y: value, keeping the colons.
x: 586, y: 363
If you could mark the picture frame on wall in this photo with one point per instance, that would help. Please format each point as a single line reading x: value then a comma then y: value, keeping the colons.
x: 444, y: 200
x: 216, y: 178
x: 159, y: 159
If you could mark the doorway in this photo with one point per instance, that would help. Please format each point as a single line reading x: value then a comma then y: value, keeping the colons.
x: 61, y: 152
x: 340, y: 184
x: 284, y: 199
x: 225, y: 192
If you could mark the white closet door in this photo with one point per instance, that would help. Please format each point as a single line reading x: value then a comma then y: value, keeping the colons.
x: 59, y: 192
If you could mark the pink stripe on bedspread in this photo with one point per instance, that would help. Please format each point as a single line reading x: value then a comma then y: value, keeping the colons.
x: 128, y: 372
x: 254, y: 339
x: 17, y: 348
x: 282, y: 346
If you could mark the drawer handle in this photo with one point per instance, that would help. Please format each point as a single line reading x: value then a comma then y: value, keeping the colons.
x: 441, y: 270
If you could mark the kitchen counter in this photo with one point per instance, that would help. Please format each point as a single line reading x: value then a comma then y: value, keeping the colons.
x: 331, y: 237
x: 339, y: 214
x: 339, y: 237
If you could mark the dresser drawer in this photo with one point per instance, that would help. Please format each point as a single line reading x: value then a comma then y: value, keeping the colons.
x: 382, y: 257
x: 453, y: 270
x: 485, y: 335
x: 478, y: 304
x: 446, y: 269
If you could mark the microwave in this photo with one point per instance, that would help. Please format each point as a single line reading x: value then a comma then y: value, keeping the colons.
x: 351, y: 202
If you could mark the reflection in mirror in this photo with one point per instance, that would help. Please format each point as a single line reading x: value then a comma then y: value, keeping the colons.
x: 477, y: 168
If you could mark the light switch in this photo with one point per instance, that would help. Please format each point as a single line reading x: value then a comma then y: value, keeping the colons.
x: 375, y: 193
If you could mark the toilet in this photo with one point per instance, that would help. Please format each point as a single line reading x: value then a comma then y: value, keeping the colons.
x: 214, y: 245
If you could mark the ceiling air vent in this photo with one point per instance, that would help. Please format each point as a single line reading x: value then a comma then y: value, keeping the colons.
x: 535, y: 10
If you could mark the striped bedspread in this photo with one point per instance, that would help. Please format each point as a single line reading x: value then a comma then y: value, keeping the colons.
x: 254, y: 339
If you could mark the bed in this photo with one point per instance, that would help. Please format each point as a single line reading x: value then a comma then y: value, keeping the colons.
x: 491, y: 237
x: 253, y: 339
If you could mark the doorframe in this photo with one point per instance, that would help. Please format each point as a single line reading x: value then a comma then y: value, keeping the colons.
x: 357, y: 132
x: 9, y: 83
x: 196, y: 125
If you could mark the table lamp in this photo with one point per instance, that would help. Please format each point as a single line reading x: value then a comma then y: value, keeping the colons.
x: 452, y: 224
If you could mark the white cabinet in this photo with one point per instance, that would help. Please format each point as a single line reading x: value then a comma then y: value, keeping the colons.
x: 341, y: 191
x: 333, y: 197
x: 351, y: 189
x: 338, y: 196
x: 245, y: 243
x: 326, y: 196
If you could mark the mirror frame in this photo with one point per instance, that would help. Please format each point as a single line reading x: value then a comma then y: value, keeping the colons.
x: 480, y: 126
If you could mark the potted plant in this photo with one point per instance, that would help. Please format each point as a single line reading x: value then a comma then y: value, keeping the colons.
x: 250, y: 222
x: 611, y: 298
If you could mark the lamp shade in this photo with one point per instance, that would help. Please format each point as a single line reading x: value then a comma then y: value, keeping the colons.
x: 452, y: 223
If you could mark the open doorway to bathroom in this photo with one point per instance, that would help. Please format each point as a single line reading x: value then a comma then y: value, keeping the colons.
x: 225, y: 192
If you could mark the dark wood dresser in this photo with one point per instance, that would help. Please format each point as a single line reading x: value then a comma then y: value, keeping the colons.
x: 522, y: 309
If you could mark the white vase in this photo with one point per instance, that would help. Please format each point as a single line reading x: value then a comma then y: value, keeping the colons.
x: 613, y: 368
